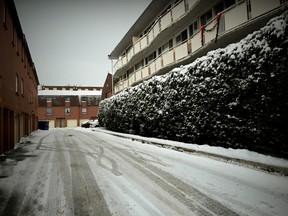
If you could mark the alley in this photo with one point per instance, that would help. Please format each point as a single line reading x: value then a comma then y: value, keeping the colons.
x: 88, y: 172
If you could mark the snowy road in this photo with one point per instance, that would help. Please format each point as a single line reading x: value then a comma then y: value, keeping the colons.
x: 83, y: 172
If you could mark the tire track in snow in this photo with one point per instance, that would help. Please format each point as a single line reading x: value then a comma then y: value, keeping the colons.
x: 98, y: 154
x: 196, y: 201
x: 22, y: 200
x: 87, y: 196
x: 60, y: 198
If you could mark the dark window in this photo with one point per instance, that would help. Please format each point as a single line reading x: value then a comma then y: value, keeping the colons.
x: 139, y: 65
x: 170, y: 44
x: 205, y: 18
x: 229, y: 3
x: 182, y: 37
x: 150, y: 58
x: 219, y: 7
x: 193, y: 28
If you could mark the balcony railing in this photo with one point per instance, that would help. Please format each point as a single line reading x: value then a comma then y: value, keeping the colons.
x: 231, y: 18
x: 162, y: 23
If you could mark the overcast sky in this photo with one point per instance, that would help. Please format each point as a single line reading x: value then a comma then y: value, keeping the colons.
x: 70, y: 40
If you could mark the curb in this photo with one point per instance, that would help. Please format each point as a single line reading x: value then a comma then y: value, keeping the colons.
x: 252, y: 164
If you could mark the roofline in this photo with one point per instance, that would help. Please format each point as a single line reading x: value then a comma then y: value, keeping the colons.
x: 70, y: 86
x: 145, y: 19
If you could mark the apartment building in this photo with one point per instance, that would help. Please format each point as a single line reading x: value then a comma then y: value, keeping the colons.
x: 18, y: 80
x: 171, y: 33
x: 68, y: 106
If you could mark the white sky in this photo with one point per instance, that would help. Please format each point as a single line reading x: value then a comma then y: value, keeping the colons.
x: 70, y: 40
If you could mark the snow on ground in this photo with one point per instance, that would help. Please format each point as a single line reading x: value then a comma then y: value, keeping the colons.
x: 233, y: 153
x: 135, y: 178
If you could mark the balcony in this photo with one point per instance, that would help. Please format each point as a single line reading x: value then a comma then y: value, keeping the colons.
x: 232, y: 19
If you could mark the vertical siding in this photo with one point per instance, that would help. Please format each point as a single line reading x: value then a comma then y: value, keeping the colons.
x: 236, y: 16
x: 138, y: 75
x: 191, y: 3
x: 259, y: 7
x: 144, y: 42
x: 178, y: 11
x: 181, y: 51
x: 168, y: 58
x: 165, y: 21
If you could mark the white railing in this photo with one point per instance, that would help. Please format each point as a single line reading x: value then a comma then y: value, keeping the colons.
x: 230, y: 19
x: 162, y: 23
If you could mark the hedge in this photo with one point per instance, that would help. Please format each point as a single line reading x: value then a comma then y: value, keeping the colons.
x: 233, y: 97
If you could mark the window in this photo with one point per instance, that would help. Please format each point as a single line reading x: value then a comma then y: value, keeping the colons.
x: 17, y: 84
x: 182, y: 37
x: 248, y: 5
x: 165, y: 47
x: 84, y: 110
x: 5, y: 16
x: 49, y: 111
x: 229, y: 3
x: 139, y: 65
x: 219, y: 7
x: 205, y: 18
x: 22, y: 87
x: 67, y: 111
x: 150, y: 58
x: 193, y: 28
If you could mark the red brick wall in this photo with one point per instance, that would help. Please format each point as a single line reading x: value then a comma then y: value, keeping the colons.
x: 58, y: 109
x: 18, y: 100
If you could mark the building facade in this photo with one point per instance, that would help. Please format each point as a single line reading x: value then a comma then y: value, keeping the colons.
x: 68, y: 106
x: 171, y: 33
x: 108, y: 86
x: 18, y: 80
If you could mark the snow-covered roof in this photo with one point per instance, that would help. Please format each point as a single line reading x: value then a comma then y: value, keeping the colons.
x: 68, y: 92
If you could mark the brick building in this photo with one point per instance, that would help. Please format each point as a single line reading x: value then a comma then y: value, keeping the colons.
x: 68, y: 106
x: 107, y: 87
x: 18, y: 80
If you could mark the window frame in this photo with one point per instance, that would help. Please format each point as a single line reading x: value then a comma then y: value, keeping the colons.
x: 17, y: 84
x: 49, y: 111
x: 82, y: 110
x: 67, y: 111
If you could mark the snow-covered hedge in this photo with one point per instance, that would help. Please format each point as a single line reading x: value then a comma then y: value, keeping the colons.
x: 233, y: 97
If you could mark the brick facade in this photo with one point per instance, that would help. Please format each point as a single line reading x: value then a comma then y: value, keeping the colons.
x: 18, y: 80
x: 66, y: 106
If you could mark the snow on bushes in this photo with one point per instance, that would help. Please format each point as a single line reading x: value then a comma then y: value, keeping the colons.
x: 233, y: 97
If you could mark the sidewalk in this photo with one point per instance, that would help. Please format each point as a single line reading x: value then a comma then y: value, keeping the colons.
x: 235, y: 156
